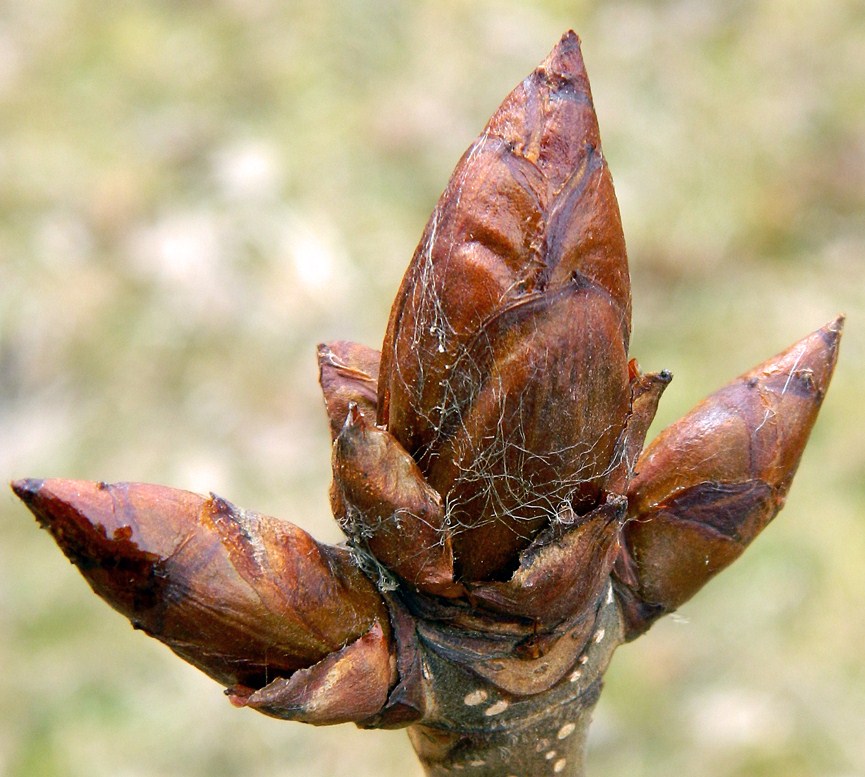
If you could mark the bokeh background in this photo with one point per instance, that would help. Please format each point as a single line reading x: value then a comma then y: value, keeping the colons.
x: 193, y: 194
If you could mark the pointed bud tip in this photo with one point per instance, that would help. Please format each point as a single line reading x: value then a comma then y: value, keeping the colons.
x: 834, y: 329
x: 239, y: 695
x: 57, y: 499
x: 566, y: 58
x: 814, y: 355
x: 826, y: 339
x: 27, y: 489
x: 570, y: 38
x: 831, y: 336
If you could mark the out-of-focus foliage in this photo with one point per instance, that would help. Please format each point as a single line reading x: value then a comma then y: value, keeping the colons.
x: 192, y: 195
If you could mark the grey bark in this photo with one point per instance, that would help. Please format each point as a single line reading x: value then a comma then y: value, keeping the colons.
x: 474, y: 728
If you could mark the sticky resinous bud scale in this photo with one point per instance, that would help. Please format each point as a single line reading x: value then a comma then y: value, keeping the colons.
x: 505, y: 528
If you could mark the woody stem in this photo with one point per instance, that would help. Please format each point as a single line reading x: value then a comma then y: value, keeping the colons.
x: 475, y: 729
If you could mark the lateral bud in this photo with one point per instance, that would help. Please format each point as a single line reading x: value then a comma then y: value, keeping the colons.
x: 712, y: 481
x: 383, y: 503
x: 243, y: 597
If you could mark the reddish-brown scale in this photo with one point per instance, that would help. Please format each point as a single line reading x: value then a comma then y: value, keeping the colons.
x: 542, y: 430
x: 713, y: 480
x: 529, y: 207
x: 239, y: 595
x: 382, y: 502
x: 347, y: 685
x: 348, y: 373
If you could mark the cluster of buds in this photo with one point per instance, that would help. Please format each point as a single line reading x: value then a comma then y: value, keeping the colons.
x: 506, y: 530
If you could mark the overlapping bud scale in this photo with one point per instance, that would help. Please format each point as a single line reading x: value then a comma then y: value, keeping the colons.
x: 504, y: 367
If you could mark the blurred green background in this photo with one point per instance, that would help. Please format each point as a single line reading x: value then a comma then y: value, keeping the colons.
x: 193, y: 194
